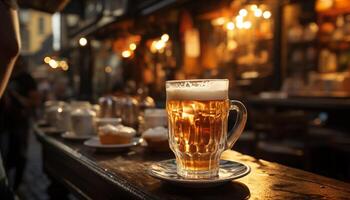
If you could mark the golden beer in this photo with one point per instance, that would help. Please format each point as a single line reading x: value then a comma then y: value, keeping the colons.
x: 197, y: 132
x: 197, y: 115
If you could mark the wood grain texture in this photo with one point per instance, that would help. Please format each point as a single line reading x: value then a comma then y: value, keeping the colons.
x: 92, y: 175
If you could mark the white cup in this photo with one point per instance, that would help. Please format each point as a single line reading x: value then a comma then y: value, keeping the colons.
x: 83, y: 122
x: 155, y: 117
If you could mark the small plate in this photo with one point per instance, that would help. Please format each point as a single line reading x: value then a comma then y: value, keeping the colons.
x: 71, y: 136
x: 229, y: 170
x: 95, y: 143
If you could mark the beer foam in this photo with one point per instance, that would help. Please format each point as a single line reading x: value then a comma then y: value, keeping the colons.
x: 201, y: 94
x: 197, y: 89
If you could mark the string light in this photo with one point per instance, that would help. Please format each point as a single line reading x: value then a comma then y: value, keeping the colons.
x: 267, y: 14
x: 132, y: 46
x: 83, y: 41
x: 47, y: 59
x: 230, y: 26
x: 253, y: 7
x: 108, y: 69
x: 257, y: 12
x: 53, y: 63
x: 65, y: 68
x: 243, y: 12
x: 165, y: 37
x: 247, y: 25
x: 63, y: 64
x: 239, y: 22
x: 239, y: 18
x: 160, y: 44
x: 126, y: 54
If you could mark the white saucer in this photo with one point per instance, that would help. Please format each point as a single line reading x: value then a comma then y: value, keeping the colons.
x: 95, y: 143
x: 229, y: 170
x: 71, y: 136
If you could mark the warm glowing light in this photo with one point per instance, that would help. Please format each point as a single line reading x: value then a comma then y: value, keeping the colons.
x: 267, y: 14
x: 239, y: 18
x: 247, y: 25
x: 83, y: 41
x: 253, y: 7
x: 232, y: 45
x: 59, y: 110
x: 153, y: 47
x: 324, y: 4
x: 165, y: 37
x: 230, y: 26
x: 240, y: 25
x: 257, y: 13
x: 63, y: 63
x: 218, y: 21
x: 132, y: 46
x: 53, y: 63
x: 313, y: 26
x: 126, y: 54
x: 243, y: 12
x: 65, y: 67
x: 108, y: 69
x: 47, y: 59
x: 239, y: 22
x: 160, y: 44
x: 250, y: 75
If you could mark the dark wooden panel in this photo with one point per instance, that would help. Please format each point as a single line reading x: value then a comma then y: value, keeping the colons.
x: 51, y: 6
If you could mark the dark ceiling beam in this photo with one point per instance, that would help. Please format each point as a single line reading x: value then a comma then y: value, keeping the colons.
x: 50, y: 6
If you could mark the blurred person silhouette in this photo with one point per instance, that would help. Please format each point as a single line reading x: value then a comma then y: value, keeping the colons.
x: 45, y: 89
x: 9, y: 40
x: 24, y: 98
x: 9, y: 50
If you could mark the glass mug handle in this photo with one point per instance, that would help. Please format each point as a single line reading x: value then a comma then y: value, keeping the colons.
x: 241, y: 120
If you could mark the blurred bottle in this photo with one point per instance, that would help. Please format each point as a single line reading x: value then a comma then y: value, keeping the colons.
x: 145, y: 100
x: 347, y: 27
x: 327, y: 61
x: 107, y: 106
x: 130, y: 111
x: 338, y: 33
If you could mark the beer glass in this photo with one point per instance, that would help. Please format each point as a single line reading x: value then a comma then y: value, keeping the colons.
x: 197, y: 113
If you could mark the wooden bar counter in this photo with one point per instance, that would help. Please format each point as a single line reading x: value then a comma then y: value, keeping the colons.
x: 91, y: 175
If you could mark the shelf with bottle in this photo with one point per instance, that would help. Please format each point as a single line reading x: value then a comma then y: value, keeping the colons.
x: 335, y: 29
x: 337, y: 46
x: 334, y: 12
x: 334, y: 40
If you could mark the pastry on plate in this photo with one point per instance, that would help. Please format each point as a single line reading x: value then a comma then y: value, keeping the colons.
x: 109, y: 134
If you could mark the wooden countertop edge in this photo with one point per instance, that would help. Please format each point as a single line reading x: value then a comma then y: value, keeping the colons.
x: 123, y: 183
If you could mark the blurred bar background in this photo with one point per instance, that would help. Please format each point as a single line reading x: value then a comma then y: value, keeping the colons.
x: 287, y: 60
